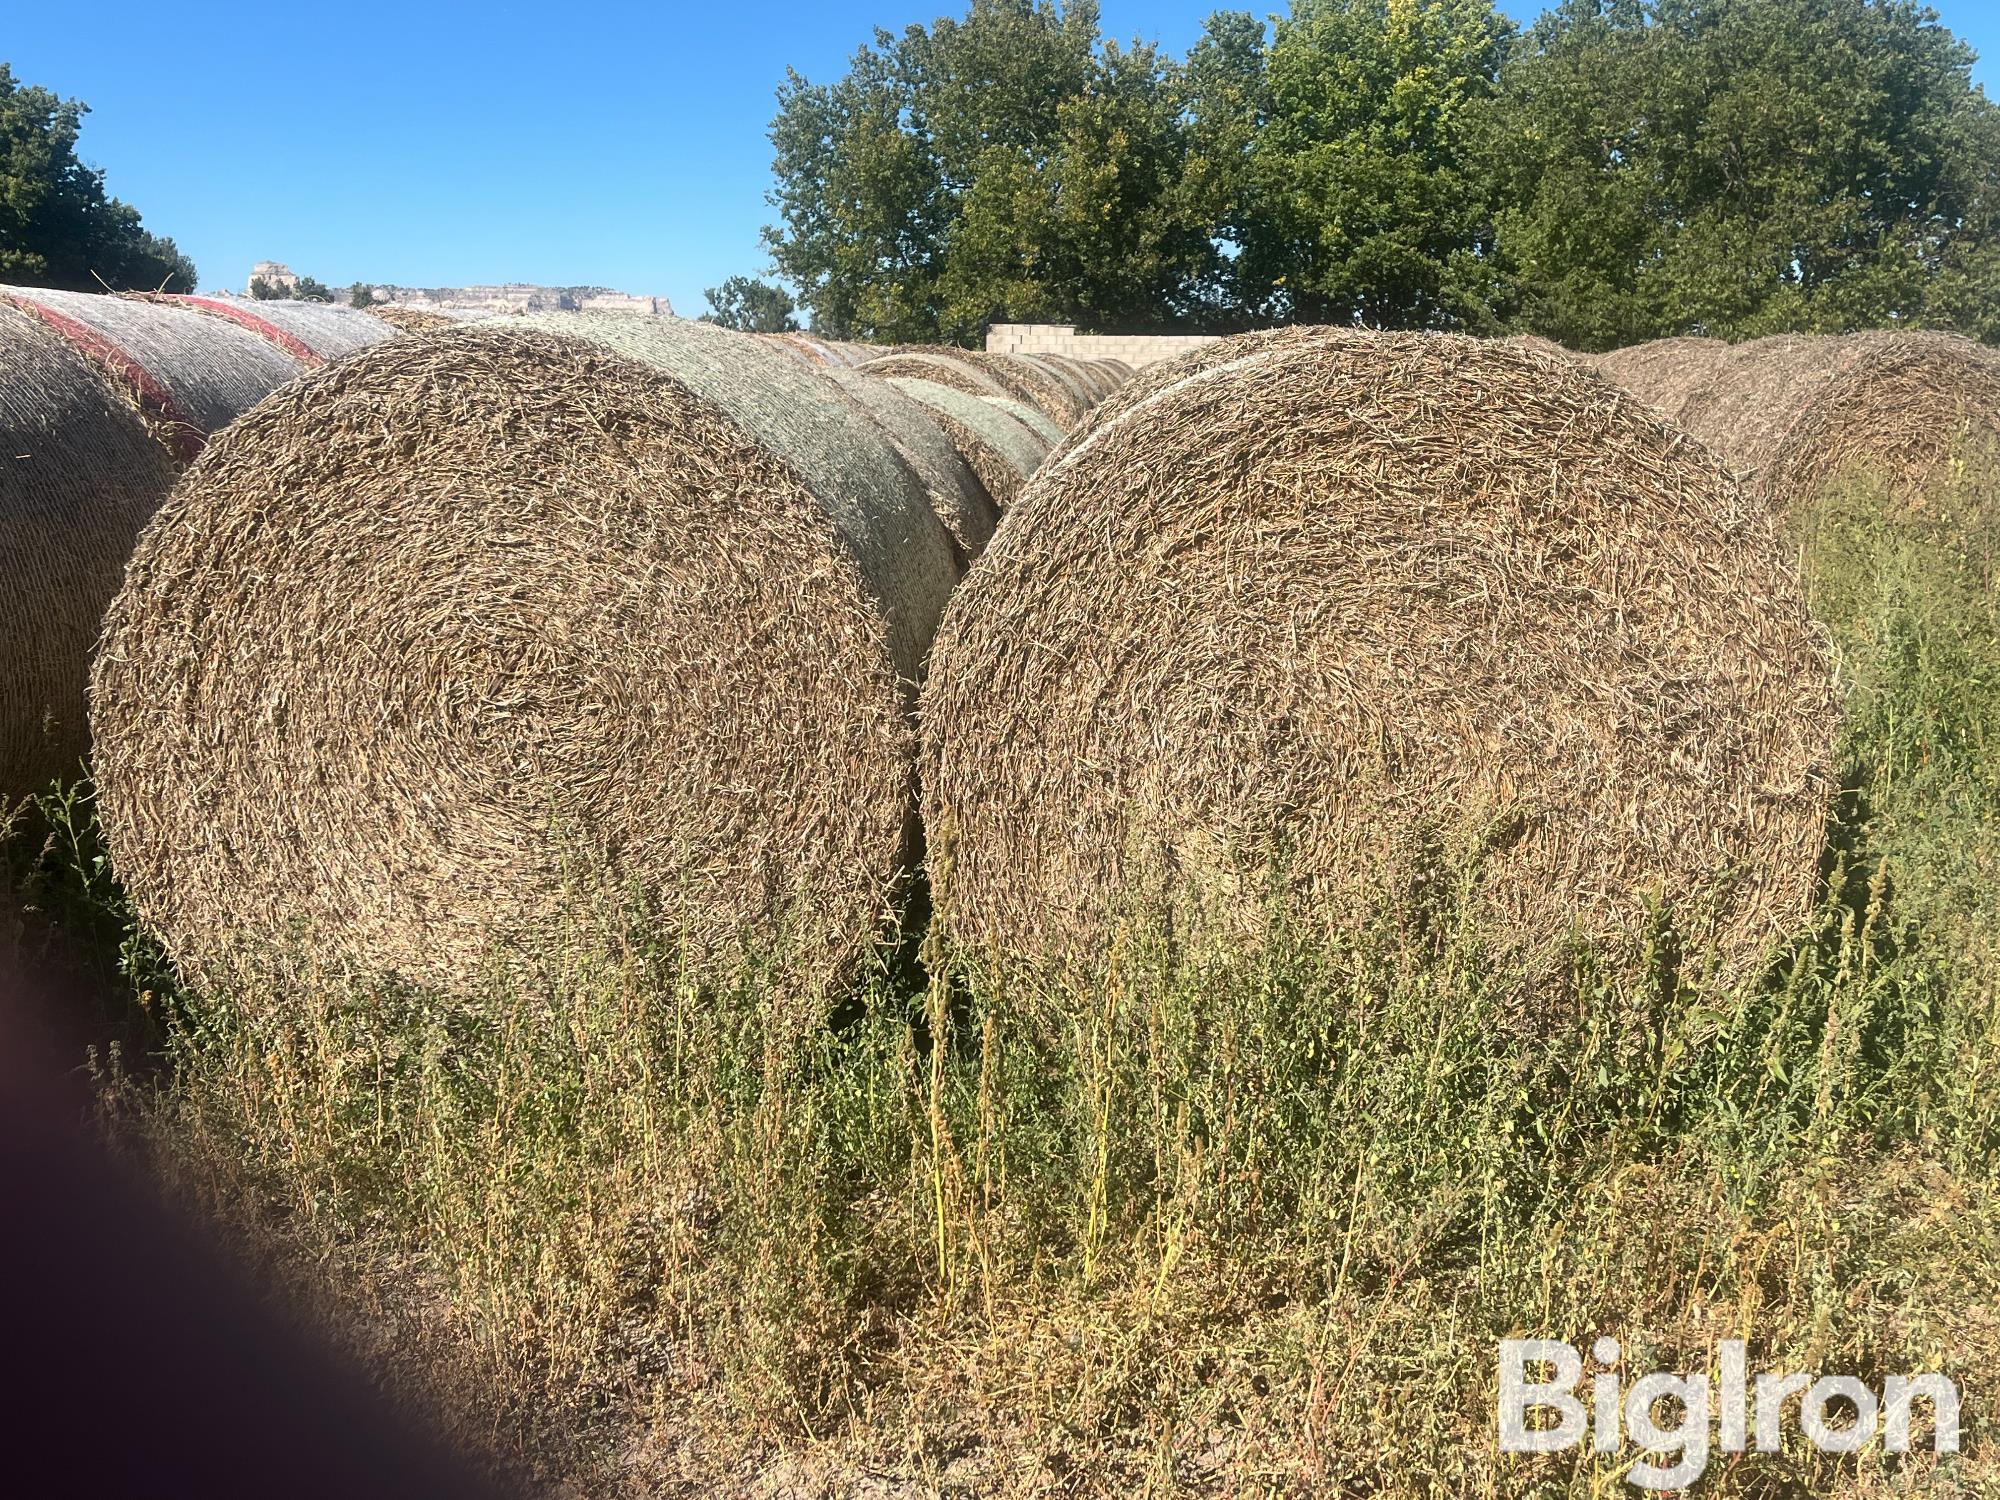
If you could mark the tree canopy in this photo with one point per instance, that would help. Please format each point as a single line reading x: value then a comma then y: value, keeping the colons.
x: 1623, y: 169
x: 57, y: 227
x: 750, y: 306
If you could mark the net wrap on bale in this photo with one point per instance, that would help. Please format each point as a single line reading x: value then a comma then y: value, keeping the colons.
x: 213, y: 368
x: 961, y: 501
x: 328, y: 331
x: 79, y: 475
x: 465, y: 633
x: 881, y: 505
x: 1003, y: 451
x: 1345, y: 611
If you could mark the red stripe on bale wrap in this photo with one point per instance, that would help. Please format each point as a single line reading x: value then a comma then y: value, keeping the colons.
x: 262, y: 327
x: 177, y: 431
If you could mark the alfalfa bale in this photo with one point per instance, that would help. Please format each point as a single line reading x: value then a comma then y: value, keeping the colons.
x: 212, y: 368
x: 326, y: 330
x: 1799, y: 411
x: 455, y: 644
x: 1150, y: 380
x: 1001, y: 450
x: 880, y: 503
x: 1079, y: 392
x: 1350, y: 617
x: 79, y: 474
x: 1663, y: 373
x: 962, y: 503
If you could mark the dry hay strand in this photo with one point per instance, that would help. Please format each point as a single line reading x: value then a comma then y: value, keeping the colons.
x: 467, y: 642
x: 1000, y: 449
x: 962, y: 504
x: 883, y: 506
x: 1538, y: 344
x: 1353, y: 615
x: 187, y: 374
x: 1664, y: 373
x: 1043, y: 427
x: 410, y: 319
x: 79, y: 474
x: 324, y: 330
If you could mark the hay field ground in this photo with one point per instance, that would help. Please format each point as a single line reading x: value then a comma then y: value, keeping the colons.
x: 1249, y: 1228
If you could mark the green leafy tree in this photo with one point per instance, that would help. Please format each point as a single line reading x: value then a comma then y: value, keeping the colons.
x: 361, y: 294
x: 269, y: 291
x: 750, y: 306
x: 57, y: 227
x: 1008, y: 165
x: 311, y: 289
x: 1366, y: 202
x: 1665, y: 166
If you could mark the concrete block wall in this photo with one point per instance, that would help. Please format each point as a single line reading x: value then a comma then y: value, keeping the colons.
x: 1061, y: 338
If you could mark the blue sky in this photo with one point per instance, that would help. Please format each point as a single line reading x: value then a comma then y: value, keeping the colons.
x: 440, y: 144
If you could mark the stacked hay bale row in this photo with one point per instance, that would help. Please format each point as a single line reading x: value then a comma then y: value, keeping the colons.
x: 1325, y: 609
x: 510, y: 613
x: 1794, y: 412
x: 107, y: 398
x: 528, y: 612
x: 1003, y: 413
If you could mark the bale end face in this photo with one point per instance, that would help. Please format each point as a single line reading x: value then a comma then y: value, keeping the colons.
x: 1331, y: 599
x: 458, y: 642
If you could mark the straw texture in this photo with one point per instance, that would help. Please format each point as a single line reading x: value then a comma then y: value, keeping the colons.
x: 1360, y: 612
x: 1003, y: 451
x: 410, y: 319
x: 877, y: 500
x: 463, y: 633
x: 79, y: 475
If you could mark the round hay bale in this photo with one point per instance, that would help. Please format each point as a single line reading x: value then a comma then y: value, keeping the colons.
x: 212, y: 369
x: 446, y: 650
x: 1043, y: 427
x: 936, y: 367
x: 1081, y: 393
x: 1663, y: 373
x: 967, y: 511
x: 1908, y: 408
x: 1797, y: 410
x: 79, y: 474
x: 410, y: 319
x: 1001, y: 450
x: 1029, y: 383
x: 1098, y: 377
x: 323, y: 330
x: 1360, y: 614
x: 880, y: 503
